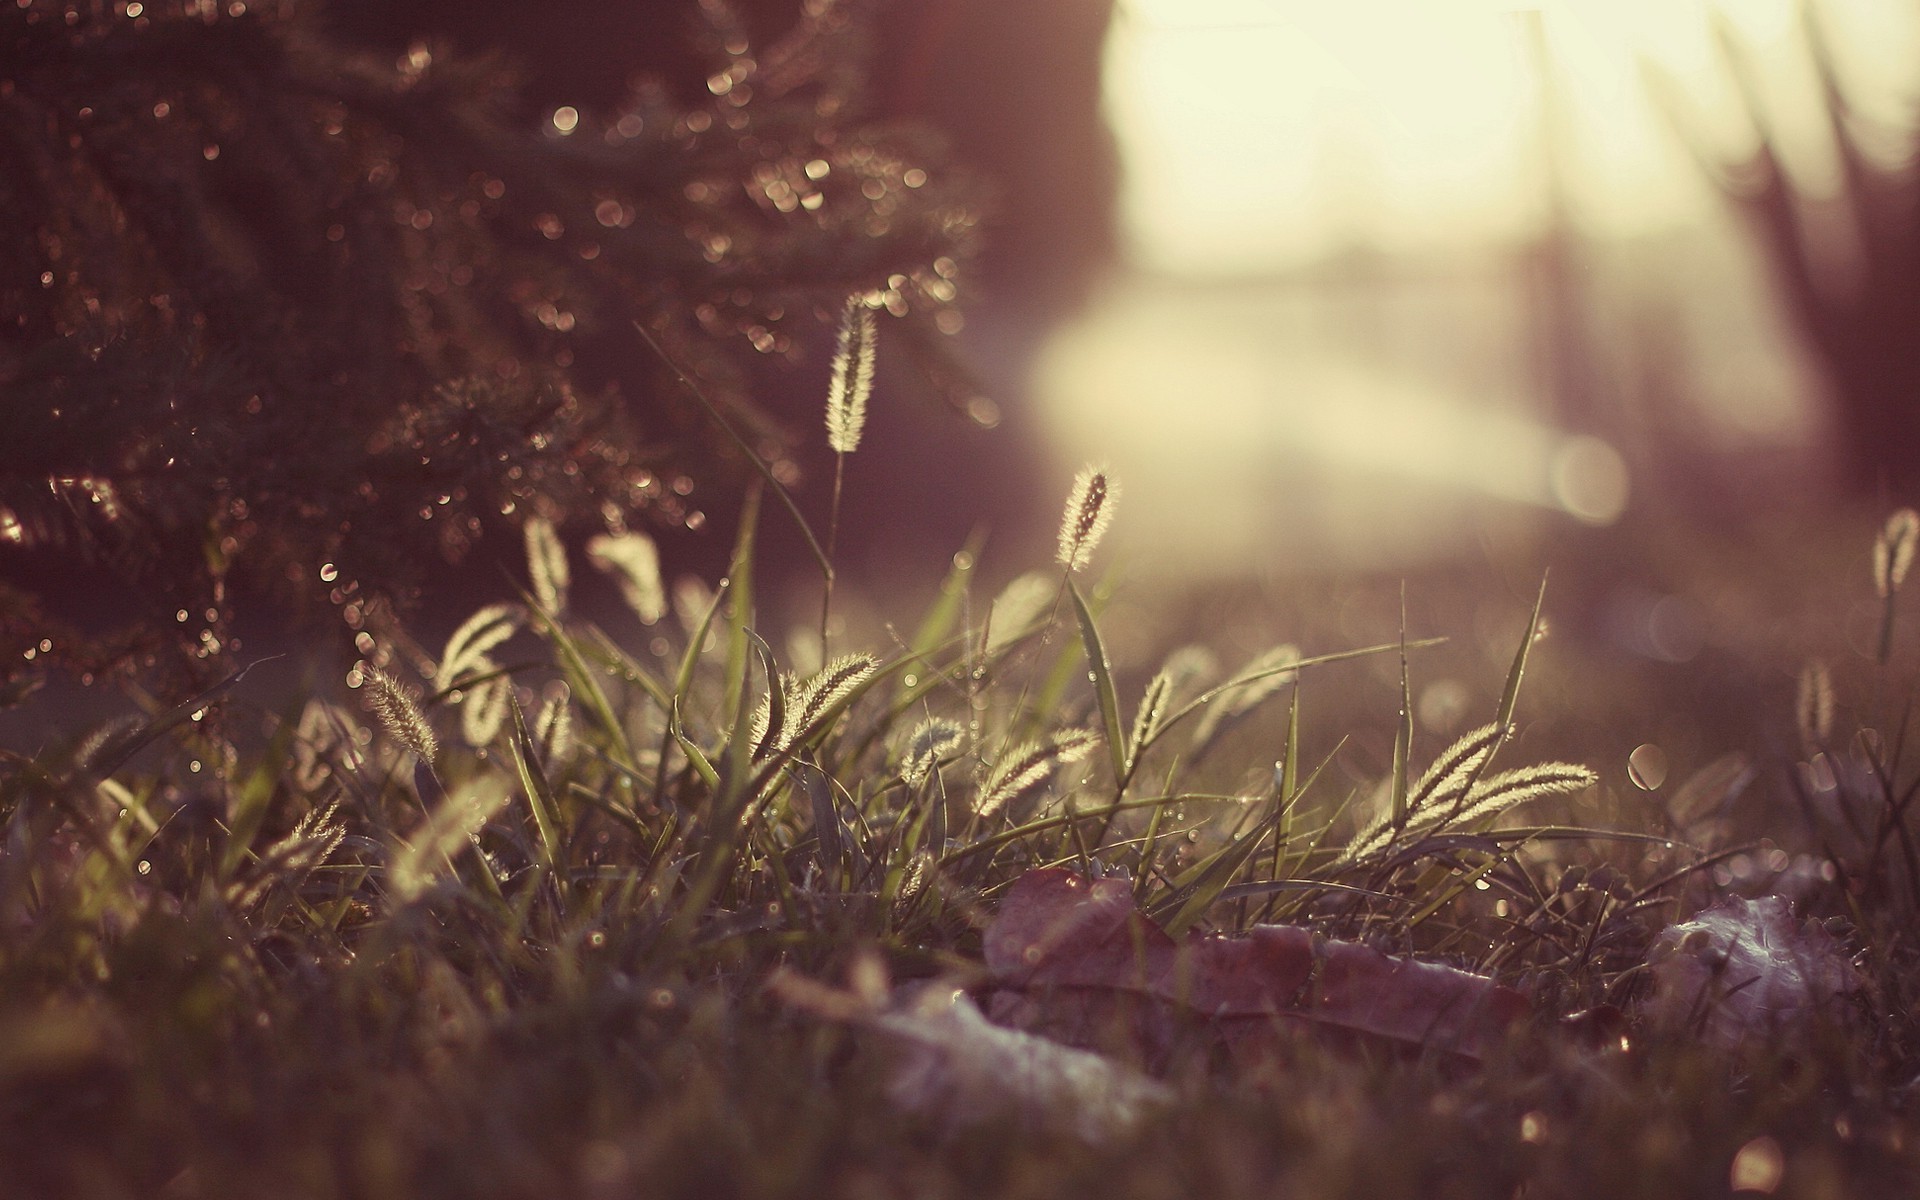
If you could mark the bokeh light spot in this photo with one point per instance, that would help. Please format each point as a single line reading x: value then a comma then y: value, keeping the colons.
x: 1589, y: 480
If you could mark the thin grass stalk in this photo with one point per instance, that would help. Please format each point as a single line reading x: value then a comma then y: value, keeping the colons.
x: 833, y: 536
x: 820, y: 556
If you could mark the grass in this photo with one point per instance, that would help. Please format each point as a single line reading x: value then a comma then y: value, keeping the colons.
x: 506, y: 931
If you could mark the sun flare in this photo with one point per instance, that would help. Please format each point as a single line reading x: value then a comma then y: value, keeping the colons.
x: 1265, y: 132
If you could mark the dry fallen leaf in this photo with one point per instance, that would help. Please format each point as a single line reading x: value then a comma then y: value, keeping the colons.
x: 1071, y: 955
x: 951, y: 1064
x: 1747, y: 969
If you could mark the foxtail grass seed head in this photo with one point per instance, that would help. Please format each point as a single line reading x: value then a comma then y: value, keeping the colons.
x: 1510, y: 789
x: 1029, y: 765
x: 809, y: 700
x: 1089, y: 512
x: 546, y: 564
x: 1814, y: 708
x: 634, y: 563
x: 467, y: 650
x: 483, y: 710
x: 1893, y: 551
x: 852, y: 381
x: 553, y: 727
x: 931, y: 741
x: 1153, y: 707
x: 396, y: 709
x: 1457, y: 769
x: 1020, y: 604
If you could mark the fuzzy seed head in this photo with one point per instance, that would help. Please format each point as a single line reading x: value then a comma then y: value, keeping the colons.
x: 807, y: 701
x: 396, y: 709
x: 1814, y: 707
x: 1089, y: 512
x: 1893, y: 551
x: 852, y: 382
x: 546, y: 564
x: 483, y: 709
x: 932, y: 740
x: 1029, y: 765
x: 467, y: 650
x: 634, y: 563
x: 553, y: 728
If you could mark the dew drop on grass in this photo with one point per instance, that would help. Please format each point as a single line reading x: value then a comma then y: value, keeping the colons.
x: 1647, y: 767
x: 1818, y: 774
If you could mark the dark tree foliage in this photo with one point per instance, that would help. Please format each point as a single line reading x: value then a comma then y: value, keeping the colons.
x: 282, y: 317
x: 1013, y: 89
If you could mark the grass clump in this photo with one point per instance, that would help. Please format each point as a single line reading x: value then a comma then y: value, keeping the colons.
x: 372, y: 958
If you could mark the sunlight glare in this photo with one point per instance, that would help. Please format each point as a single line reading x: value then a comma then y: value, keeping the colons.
x: 1269, y: 132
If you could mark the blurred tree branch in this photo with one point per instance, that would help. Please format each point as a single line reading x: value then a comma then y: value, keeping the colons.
x: 1849, y: 266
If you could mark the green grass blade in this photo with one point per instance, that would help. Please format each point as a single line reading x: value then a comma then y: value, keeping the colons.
x: 740, y: 609
x: 944, y: 617
x: 1510, y: 698
x: 611, y: 656
x: 1403, y: 734
x: 695, y: 756
x: 1039, y: 825
x: 252, y: 799
x: 713, y: 412
x: 1192, y: 902
x: 533, y: 778
x: 1289, y: 787
x: 690, y: 661
x: 114, y: 755
x: 1103, y: 688
x: 585, y: 681
x: 1207, y: 697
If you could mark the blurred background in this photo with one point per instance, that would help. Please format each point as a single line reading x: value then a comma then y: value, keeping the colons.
x: 1418, y: 300
x: 1398, y: 277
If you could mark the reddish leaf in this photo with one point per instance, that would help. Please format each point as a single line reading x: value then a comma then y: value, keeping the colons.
x: 1065, y: 948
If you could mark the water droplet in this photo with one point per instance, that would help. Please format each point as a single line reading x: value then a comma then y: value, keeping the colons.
x: 328, y: 573
x: 1647, y: 767
x: 1818, y: 774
